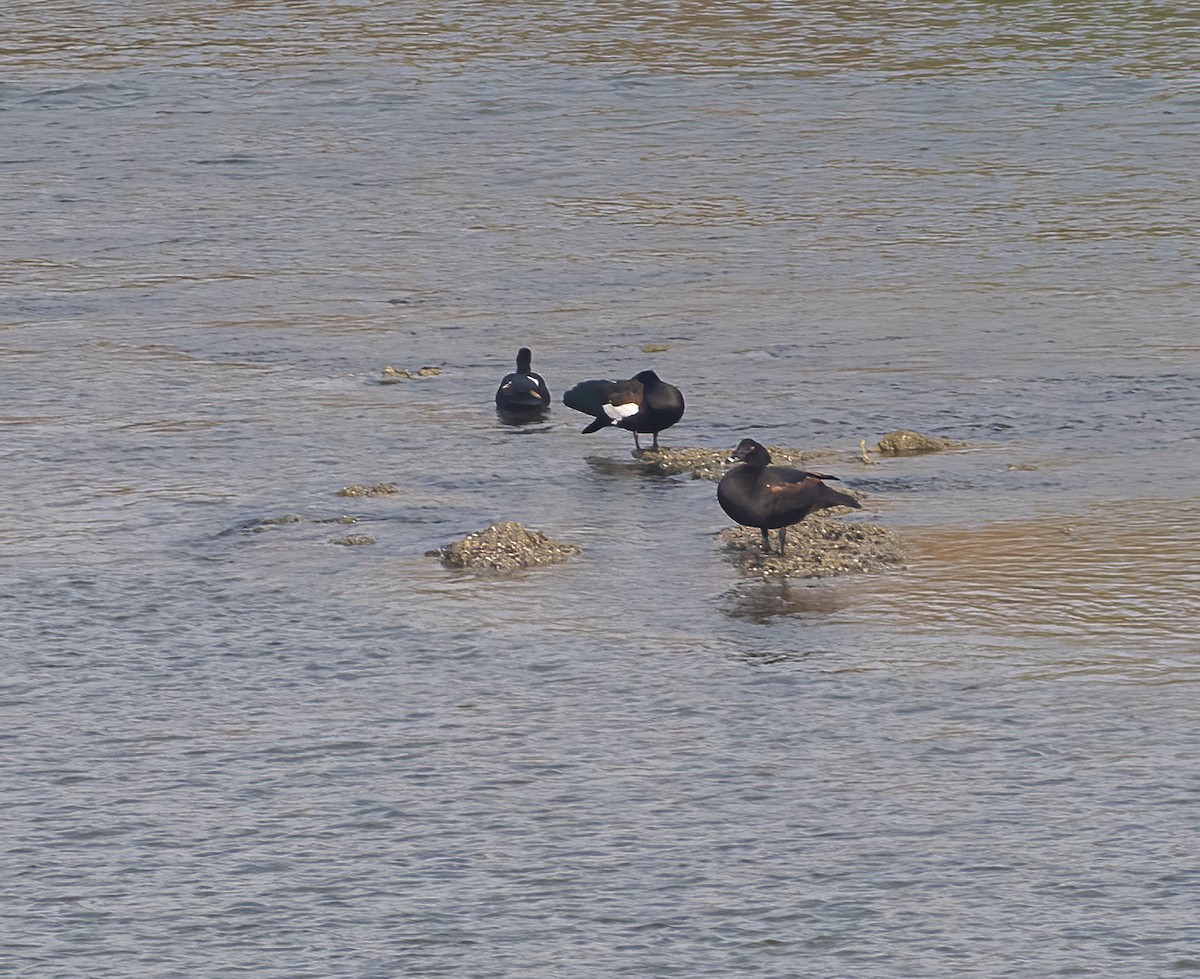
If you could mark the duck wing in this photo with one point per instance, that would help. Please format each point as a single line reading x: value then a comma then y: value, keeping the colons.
x: 790, y: 475
x: 590, y: 397
x: 804, y: 489
x: 624, y: 401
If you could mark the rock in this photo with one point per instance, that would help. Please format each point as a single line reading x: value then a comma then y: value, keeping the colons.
x: 904, y: 442
x: 354, y: 540
x: 262, y: 524
x: 655, y: 348
x: 276, y: 521
x: 394, y: 375
x: 817, y: 547
x: 267, y: 523
x: 379, y: 489
x: 710, y: 463
x: 505, y: 547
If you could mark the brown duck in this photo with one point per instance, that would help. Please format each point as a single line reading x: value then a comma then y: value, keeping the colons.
x: 757, y: 494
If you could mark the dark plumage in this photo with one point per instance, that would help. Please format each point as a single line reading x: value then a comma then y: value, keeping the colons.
x: 523, y: 391
x: 757, y: 494
x: 645, y: 403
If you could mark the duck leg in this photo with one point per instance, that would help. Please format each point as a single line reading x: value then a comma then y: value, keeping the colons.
x: 766, y: 541
x: 655, y: 447
x: 782, y: 540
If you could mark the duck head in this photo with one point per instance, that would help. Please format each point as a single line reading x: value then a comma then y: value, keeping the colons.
x: 751, y: 453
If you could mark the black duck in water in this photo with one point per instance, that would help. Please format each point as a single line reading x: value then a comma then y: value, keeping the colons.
x: 523, y: 391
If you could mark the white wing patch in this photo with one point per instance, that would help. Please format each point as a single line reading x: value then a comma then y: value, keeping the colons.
x: 617, y: 412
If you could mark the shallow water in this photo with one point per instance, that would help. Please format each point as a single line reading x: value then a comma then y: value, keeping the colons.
x: 235, y: 748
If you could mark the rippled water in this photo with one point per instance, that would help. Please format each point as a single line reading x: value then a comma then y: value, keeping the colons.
x: 232, y: 747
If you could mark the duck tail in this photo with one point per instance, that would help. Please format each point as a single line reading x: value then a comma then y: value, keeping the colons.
x: 602, y: 422
x: 832, y: 497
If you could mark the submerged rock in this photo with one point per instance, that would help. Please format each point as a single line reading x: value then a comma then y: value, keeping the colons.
x: 393, y: 375
x: 505, y: 546
x: 262, y: 524
x: 273, y: 521
x: 379, y: 489
x: 903, y: 442
x: 354, y: 540
x: 817, y: 547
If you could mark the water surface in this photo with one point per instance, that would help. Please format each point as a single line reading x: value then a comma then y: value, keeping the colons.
x: 233, y: 747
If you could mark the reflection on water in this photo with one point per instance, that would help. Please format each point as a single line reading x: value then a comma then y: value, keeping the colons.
x: 620, y: 465
x: 766, y: 601
x: 1116, y: 577
x: 520, y: 419
x: 1121, y: 576
x: 712, y: 37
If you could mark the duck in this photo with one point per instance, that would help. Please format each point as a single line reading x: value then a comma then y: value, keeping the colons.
x: 645, y: 405
x: 757, y: 494
x: 524, y: 390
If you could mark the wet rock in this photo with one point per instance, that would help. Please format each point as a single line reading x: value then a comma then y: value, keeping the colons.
x: 276, y: 521
x: 354, y: 540
x: 260, y: 524
x: 904, y: 442
x: 710, y: 463
x: 379, y: 489
x: 505, y: 546
x: 655, y: 348
x: 817, y: 547
x: 393, y: 375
